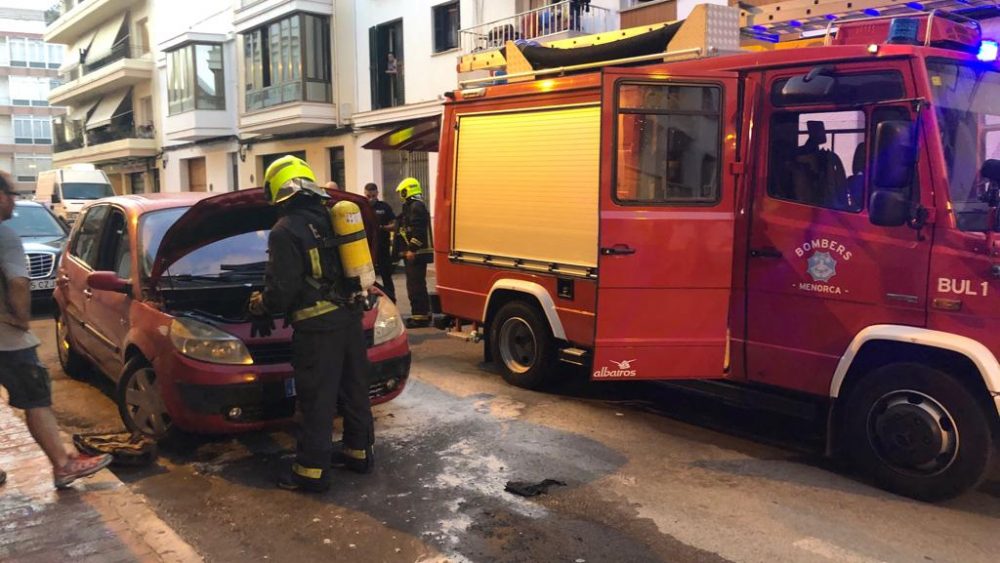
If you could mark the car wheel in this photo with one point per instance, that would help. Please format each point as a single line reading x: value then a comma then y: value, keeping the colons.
x: 140, y: 403
x: 918, y: 432
x: 73, y: 364
x: 522, y: 345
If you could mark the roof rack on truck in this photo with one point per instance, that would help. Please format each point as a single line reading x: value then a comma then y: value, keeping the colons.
x: 709, y: 30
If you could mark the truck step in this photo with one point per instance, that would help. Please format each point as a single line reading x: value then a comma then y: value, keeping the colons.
x: 574, y: 356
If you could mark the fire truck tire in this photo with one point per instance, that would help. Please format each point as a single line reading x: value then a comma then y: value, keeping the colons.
x: 521, y: 344
x: 918, y: 432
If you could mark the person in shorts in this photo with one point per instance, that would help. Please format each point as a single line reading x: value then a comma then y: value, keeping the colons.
x: 21, y: 373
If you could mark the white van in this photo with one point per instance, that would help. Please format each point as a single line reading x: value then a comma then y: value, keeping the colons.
x: 67, y: 190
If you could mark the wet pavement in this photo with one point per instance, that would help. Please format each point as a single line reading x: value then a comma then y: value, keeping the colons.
x: 652, y: 474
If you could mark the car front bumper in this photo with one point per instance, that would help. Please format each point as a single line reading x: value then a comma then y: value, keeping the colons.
x: 226, y: 399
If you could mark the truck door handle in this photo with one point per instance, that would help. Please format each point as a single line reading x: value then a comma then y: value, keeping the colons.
x: 617, y: 250
x: 766, y: 252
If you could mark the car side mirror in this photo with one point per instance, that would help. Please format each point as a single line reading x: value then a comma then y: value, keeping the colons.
x: 895, y: 155
x: 888, y: 208
x: 55, y: 198
x: 109, y: 281
x: 818, y: 83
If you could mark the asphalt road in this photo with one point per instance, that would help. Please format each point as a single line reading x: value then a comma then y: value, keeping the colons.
x: 651, y: 475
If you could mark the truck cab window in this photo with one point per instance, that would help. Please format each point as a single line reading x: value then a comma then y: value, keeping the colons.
x: 818, y: 159
x: 668, y: 144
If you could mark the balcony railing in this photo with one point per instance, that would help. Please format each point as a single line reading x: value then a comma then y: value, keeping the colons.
x: 121, y: 51
x: 114, y: 132
x: 561, y: 17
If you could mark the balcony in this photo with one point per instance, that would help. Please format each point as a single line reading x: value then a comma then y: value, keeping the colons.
x: 289, y: 118
x: 118, y: 141
x: 255, y: 13
x: 548, y: 23
x: 86, y: 15
x: 125, y: 66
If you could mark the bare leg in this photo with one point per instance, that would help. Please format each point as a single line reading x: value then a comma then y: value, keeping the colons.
x: 45, y: 430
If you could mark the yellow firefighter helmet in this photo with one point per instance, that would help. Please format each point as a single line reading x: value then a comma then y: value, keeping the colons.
x: 288, y: 176
x: 408, y: 188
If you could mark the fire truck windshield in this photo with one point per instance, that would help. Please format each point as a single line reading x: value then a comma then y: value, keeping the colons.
x: 966, y: 99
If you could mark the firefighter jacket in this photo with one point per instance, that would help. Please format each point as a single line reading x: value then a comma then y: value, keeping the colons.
x: 415, y: 230
x: 303, y: 278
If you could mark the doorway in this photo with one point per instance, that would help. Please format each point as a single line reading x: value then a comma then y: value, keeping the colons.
x: 397, y: 165
x: 197, y: 175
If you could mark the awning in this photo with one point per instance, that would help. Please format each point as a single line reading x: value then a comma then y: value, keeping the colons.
x: 107, y: 109
x: 80, y: 111
x: 73, y: 56
x: 104, y: 40
x: 419, y: 135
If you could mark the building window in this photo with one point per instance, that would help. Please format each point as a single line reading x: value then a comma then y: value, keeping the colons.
x: 288, y: 61
x: 32, y: 130
x: 27, y: 166
x: 34, y: 53
x: 18, y: 51
x: 446, y: 23
x: 337, y: 167
x: 55, y: 53
x: 386, y: 51
x: 195, y: 78
x: 29, y: 91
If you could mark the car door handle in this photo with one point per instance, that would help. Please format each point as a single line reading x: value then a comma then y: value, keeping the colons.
x: 88, y: 293
x: 64, y: 278
x: 617, y: 250
x: 765, y: 252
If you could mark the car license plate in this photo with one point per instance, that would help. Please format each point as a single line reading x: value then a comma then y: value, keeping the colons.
x: 43, y: 284
x: 290, y: 387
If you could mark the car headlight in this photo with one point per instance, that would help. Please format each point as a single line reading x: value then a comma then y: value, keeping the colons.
x: 388, y: 323
x: 204, y: 342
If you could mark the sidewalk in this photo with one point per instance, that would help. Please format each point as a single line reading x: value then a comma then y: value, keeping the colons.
x: 99, y: 519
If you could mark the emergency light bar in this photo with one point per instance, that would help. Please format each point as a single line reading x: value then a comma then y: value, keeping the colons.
x: 947, y: 31
x: 988, y: 51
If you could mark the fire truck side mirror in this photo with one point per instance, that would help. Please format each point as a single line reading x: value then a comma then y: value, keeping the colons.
x: 816, y: 85
x: 888, y: 208
x: 894, y: 156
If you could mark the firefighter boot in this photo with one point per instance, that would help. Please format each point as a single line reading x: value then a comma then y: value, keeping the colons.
x: 358, y: 461
x: 418, y: 321
x: 295, y: 477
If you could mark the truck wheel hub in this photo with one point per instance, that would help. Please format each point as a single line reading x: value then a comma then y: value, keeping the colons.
x: 517, y: 345
x: 913, y: 432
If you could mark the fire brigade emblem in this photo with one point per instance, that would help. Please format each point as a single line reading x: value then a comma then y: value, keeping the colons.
x: 822, y: 267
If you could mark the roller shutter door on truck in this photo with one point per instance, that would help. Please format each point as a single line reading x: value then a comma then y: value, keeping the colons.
x: 526, y: 185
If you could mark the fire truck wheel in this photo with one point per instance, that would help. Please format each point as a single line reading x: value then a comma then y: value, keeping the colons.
x: 917, y: 432
x: 521, y: 344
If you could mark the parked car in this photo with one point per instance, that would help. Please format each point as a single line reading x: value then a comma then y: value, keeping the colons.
x: 67, y: 190
x: 152, y: 291
x: 44, y: 237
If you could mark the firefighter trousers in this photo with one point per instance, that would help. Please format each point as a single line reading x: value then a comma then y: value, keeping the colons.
x: 416, y: 287
x: 328, y: 365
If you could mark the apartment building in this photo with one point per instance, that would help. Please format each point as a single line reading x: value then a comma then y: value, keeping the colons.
x: 28, y: 70
x: 108, y: 83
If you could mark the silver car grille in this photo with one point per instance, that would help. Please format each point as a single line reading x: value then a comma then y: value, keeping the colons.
x: 40, y: 264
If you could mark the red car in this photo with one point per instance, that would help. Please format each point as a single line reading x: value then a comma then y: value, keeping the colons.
x: 152, y: 291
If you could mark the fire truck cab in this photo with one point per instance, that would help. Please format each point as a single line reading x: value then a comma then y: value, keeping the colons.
x: 819, y: 221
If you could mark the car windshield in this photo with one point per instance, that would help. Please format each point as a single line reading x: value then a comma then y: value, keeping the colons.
x: 34, y: 221
x: 967, y: 103
x: 242, y: 256
x: 86, y: 190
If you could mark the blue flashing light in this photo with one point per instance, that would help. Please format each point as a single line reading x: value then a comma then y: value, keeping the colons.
x: 795, y: 23
x: 759, y: 28
x: 830, y: 17
x: 915, y: 5
x: 988, y: 51
x: 903, y: 31
x: 871, y: 12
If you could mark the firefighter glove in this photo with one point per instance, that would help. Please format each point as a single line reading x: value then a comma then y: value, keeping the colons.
x: 261, y: 326
x: 256, y: 304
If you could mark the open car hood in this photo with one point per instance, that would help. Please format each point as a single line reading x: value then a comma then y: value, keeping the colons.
x: 230, y: 214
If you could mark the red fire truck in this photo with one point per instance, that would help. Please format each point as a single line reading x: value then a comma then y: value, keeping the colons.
x: 820, y: 222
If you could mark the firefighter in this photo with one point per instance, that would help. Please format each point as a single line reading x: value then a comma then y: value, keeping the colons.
x: 417, y: 250
x: 305, y: 282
